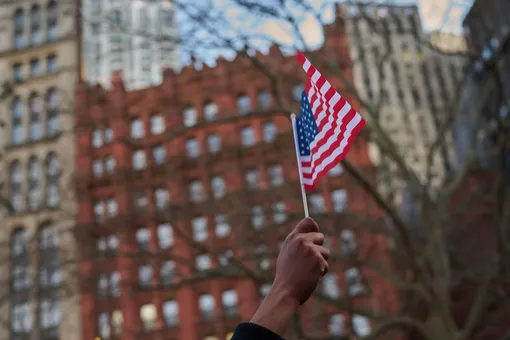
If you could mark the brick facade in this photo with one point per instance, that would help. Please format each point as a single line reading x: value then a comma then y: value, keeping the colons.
x: 113, y: 112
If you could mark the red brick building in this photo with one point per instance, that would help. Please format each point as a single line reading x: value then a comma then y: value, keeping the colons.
x: 180, y: 184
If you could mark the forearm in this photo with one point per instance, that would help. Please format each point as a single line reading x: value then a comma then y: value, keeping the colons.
x: 275, y: 312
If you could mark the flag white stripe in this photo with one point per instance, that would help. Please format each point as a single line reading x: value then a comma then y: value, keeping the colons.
x: 352, y: 124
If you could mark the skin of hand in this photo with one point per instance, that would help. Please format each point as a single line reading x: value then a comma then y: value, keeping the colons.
x: 301, y: 263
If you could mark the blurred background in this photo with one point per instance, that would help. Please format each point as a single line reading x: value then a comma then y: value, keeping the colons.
x: 148, y: 175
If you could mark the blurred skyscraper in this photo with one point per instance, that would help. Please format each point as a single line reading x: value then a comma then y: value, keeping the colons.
x: 137, y: 37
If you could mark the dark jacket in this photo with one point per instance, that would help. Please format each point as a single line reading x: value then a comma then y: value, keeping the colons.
x: 251, y: 331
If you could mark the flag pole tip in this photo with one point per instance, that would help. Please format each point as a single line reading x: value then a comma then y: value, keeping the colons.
x: 292, y: 116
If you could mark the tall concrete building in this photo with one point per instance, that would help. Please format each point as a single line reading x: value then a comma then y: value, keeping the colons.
x: 39, y: 67
x: 136, y: 37
x: 410, y: 83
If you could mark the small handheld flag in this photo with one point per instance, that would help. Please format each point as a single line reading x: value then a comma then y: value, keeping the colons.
x: 325, y: 129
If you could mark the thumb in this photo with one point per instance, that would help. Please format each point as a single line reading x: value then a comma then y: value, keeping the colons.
x: 306, y: 225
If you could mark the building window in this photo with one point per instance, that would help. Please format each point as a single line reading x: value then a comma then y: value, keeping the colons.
x: 210, y: 111
x: 279, y: 215
x: 97, y: 168
x: 143, y: 238
x: 275, y: 173
x: 35, y: 68
x: 52, y: 181
x: 218, y: 187
x: 21, y: 319
x: 52, y: 33
x: 148, y: 316
x: 34, y: 184
x: 166, y: 273
x: 337, y: 170
x: 17, y: 70
x: 103, y: 323
x: 145, y: 274
x: 251, y: 177
x: 20, y: 261
x: 115, y: 284
x: 159, y: 154
x: 224, y: 257
x: 18, y: 135
x: 264, y: 99
x: 102, y: 285
x: 52, y: 121
x: 354, y: 281
x: 171, y: 313
x: 108, y: 135
x: 361, y: 325
x: 247, y: 136
x: 203, y: 262
x: 243, y: 104
x: 317, y: 203
x: 347, y: 241
x: 199, y: 225
x: 139, y: 160
x: 269, y: 132
x: 110, y: 164
x: 97, y: 138
x: 196, y: 191
x: 206, y: 305
x: 16, y: 183
x: 140, y: 200
x: 257, y: 217
x: 49, y: 314
x: 51, y: 63
x: 190, y: 116
x: 339, y: 198
x: 213, y: 143
x: 330, y: 286
x: 336, y: 325
x: 192, y: 148
x: 34, y: 106
x: 157, y: 124
x: 19, y: 29
x: 99, y: 211
x: 162, y: 198
x: 229, y: 302
x: 137, y: 129
x: 222, y: 228
x: 297, y: 91
x: 165, y: 236
x: 112, y: 207
x: 117, y: 322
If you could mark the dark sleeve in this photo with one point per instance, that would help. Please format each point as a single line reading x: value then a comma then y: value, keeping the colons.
x: 252, y: 331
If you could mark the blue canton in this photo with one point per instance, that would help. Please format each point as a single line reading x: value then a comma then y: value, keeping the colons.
x: 306, y: 126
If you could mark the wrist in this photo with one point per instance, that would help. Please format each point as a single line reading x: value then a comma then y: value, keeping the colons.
x: 276, y: 311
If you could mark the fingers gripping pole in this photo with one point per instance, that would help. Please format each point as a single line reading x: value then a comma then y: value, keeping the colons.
x: 296, y: 145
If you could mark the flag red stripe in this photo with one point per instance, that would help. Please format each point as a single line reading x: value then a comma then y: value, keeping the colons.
x: 332, y: 128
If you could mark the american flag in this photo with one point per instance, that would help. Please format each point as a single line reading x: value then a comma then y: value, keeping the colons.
x: 325, y: 128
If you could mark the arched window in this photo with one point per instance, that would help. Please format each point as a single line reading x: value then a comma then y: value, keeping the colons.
x: 243, y: 104
x: 16, y: 183
x: 52, y: 181
x: 210, y: 111
x: 34, y: 108
x: 190, y: 116
x: 34, y: 184
x: 21, y: 316
x: 52, y: 121
x: 35, y: 25
x: 52, y: 33
x: 49, y: 279
x: 18, y: 135
x: 19, y: 29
